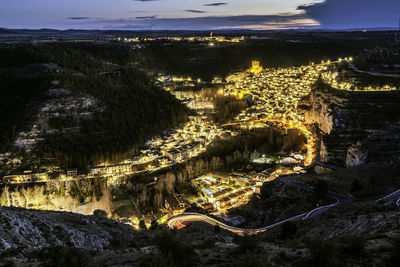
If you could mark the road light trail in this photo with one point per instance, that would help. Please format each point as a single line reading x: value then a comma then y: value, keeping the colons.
x: 290, y: 180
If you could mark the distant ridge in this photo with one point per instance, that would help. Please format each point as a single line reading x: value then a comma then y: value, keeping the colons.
x: 178, y: 32
x: 4, y: 31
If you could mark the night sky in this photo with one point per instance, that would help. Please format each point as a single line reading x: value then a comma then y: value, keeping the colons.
x: 199, y: 14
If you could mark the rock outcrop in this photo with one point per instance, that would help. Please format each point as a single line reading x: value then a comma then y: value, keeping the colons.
x: 32, y: 229
x: 355, y: 127
x: 356, y: 155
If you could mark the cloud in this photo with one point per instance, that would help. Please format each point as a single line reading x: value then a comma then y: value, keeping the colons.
x: 345, y: 14
x: 129, y: 27
x: 256, y: 22
x: 195, y: 11
x: 78, y: 18
x: 146, y: 17
x: 216, y: 4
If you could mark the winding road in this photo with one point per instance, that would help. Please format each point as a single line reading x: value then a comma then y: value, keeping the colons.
x: 376, y: 74
x: 395, y: 196
x: 288, y: 180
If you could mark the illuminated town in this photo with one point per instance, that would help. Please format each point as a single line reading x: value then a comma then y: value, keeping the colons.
x: 200, y: 133
x: 210, y: 40
x: 275, y: 94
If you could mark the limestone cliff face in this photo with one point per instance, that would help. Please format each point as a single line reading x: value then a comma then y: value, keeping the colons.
x: 356, y: 155
x: 80, y: 196
x: 353, y: 124
x: 321, y: 110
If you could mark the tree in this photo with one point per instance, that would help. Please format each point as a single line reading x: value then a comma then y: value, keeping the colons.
x: 100, y: 214
x: 215, y: 163
x: 180, y: 178
x: 322, y: 253
x: 189, y: 170
x: 252, y: 260
x: 217, y: 228
x: 321, y: 189
x: 158, y: 198
x: 9, y: 263
x: 254, y: 155
x: 153, y: 225
x: 170, y: 182
x: 394, y: 258
x: 199, y: 167
x: 63, y: 256
x: 171, y: 245
x: 142, y: 224
x: 288, y: 230
x: 248, y: 243
x: 357, y: 186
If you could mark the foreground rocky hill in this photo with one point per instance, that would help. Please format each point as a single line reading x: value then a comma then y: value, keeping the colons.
x: 30, y: 229
x: 22, y: 231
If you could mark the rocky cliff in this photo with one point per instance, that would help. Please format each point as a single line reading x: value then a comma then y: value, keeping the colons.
x: 80, y: 196
x: 31, y: 229
x: 355, y: 127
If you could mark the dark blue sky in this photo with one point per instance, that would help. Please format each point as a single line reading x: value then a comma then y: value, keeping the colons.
x: 199, y: 14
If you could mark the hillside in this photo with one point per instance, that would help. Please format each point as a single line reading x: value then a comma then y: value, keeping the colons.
x: 4, y: 31
x: 67, y: 106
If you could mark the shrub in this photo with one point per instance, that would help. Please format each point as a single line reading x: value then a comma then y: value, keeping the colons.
x: 354, y: 245
x: 252, y: 260
x: 9, y: 263
x: 357, y: 186
x: 154, y: 225
x: 63, y: 257
x: 248, y: 243
x: 394, y: 258
x: 322, y: 253
x: 170, y: 245
x: 217, y: 229
x: 142, y: 224
x: 288, y: 230
x: 320, y: 189
x: 208, y: 243
x: 100, y: 214
x: 154, y: 260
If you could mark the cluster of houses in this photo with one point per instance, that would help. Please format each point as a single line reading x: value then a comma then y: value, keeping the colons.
x: 26, y: 177
x: 228, y: 196
x: 234, y: 197
x: 183, y: 152
x: 35, y: 177
x: 175, y: 204
x: 110, y: 170
x: 223, y: 192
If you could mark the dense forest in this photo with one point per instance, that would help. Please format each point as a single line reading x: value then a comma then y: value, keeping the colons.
x: 202, y: 61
